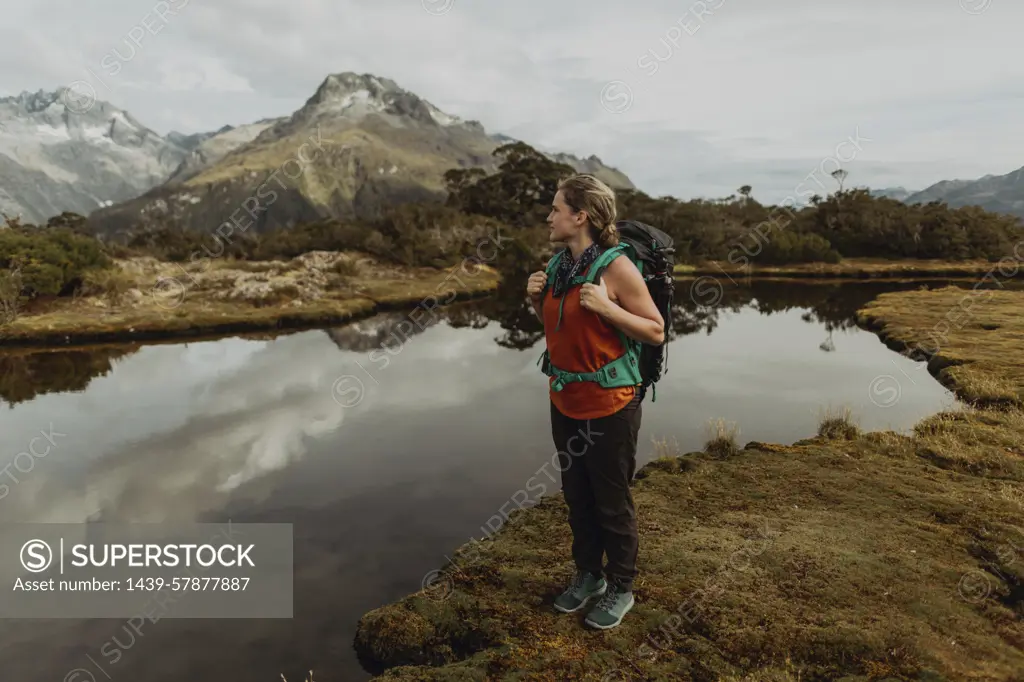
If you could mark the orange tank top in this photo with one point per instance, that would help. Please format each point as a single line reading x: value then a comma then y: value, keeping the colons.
x: 583, y: 343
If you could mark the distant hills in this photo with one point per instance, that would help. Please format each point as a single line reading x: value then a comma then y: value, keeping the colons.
x: 897, y: 193
x: 996, y: 193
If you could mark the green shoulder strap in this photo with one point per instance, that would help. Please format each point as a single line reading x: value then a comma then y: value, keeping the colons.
x: 552, y: 266
x: 549, y: 270
x: 597, y: 269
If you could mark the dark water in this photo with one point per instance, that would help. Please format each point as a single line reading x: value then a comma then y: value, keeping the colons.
x: 383, y: 467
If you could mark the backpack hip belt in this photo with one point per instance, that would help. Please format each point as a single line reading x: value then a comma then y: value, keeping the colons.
x: 622, y: 371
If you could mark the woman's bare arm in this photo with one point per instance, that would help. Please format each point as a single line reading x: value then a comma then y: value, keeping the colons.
x: 633, y: 310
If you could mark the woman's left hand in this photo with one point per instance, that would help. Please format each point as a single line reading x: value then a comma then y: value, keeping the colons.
x: 595, y: 298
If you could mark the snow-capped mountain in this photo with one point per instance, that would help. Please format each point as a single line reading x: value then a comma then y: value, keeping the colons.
x: 54, y: 159
x: 374, y: 144
x: 358, y: 144
x: 384, y: 331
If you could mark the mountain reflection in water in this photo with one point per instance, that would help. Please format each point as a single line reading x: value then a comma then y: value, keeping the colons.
x: 25, y: 374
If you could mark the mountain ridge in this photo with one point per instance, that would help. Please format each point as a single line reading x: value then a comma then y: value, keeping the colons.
x: 53, y: 159
x: 992, y: 192
x: 58, y: 156
x: 377, y: 145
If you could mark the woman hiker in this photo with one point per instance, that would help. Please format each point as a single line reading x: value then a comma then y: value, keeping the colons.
x: 594, y: 428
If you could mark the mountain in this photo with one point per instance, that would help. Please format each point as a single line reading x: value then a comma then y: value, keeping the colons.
x: 54, y: 160
x: 384, y: 331
x: 206, y: 149
x: 897, y: 193
x: 996, y: 193
x: 359, y: 143
x: 190, y: 142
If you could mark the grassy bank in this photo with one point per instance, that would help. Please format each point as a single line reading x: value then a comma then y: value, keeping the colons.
x: 147, y: 299
x: 858, y: 268
x: 855, y: 557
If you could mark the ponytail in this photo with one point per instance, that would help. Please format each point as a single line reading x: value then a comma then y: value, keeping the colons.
x: 608, y: 236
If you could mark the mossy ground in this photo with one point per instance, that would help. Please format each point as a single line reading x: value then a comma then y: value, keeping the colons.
x: 186, y: 308
x: 868, y: 556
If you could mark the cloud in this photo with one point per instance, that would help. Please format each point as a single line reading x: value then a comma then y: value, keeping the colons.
x: 178, y: 429
x: 724, y: 92
x: 204, y: 73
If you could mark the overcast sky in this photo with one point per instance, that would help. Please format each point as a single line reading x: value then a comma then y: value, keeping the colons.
x: 689, y: 99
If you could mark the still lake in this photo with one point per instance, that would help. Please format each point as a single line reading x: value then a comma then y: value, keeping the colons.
x: 384, y: 468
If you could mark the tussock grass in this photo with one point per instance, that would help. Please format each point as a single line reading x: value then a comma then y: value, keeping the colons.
x: 721, y: 442
x: 346, y: 268
x: 111, y: 284
x: 837, y: 424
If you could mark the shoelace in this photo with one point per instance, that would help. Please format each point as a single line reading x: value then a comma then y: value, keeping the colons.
x: 609, y: 599
x: 577, y: 581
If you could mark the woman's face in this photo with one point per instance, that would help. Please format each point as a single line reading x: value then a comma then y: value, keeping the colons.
x: 564, y: 223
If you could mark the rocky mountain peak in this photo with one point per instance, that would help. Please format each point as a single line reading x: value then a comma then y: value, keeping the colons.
x: 354, y: 96
x: 33, y: 102
x: 339, y: 86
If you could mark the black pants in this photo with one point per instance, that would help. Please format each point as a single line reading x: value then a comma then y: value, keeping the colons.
x: 598, y: 459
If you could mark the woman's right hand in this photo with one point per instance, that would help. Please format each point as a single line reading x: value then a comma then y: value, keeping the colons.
x: 535, y: 285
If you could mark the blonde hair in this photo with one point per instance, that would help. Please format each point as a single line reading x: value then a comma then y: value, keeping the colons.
x: 584, y: 192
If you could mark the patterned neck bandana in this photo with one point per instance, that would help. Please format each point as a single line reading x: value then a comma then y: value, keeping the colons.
x: 569, y: 268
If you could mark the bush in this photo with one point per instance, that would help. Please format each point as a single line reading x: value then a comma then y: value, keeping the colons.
x: 788, y: 247
x: 111, y: 283
x: 10, y: 295
x: 180, y: 245
x: 50, y: 261
x: 345, y: 268
x: 849, y: 223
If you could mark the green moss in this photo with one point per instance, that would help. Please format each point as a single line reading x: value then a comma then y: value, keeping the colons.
x: 870, y: 556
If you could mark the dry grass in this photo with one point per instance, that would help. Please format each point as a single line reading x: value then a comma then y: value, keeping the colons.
x: 721, y: 442
x: 260, y: 266
x: 864, y: 268
x: 111, y: 284
x: 872, y: 556
x: 176, y: 302
x: 346, y: 268
x: 838, y: 425
x: 973, y: 338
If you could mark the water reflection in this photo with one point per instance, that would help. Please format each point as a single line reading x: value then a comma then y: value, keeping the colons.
x: 24, y: 375
x: 27, y: 374
x: 451, y: 420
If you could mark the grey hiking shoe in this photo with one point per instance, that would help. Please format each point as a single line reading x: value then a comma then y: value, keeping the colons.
x: 609, y: 611
x: 584, y: 587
